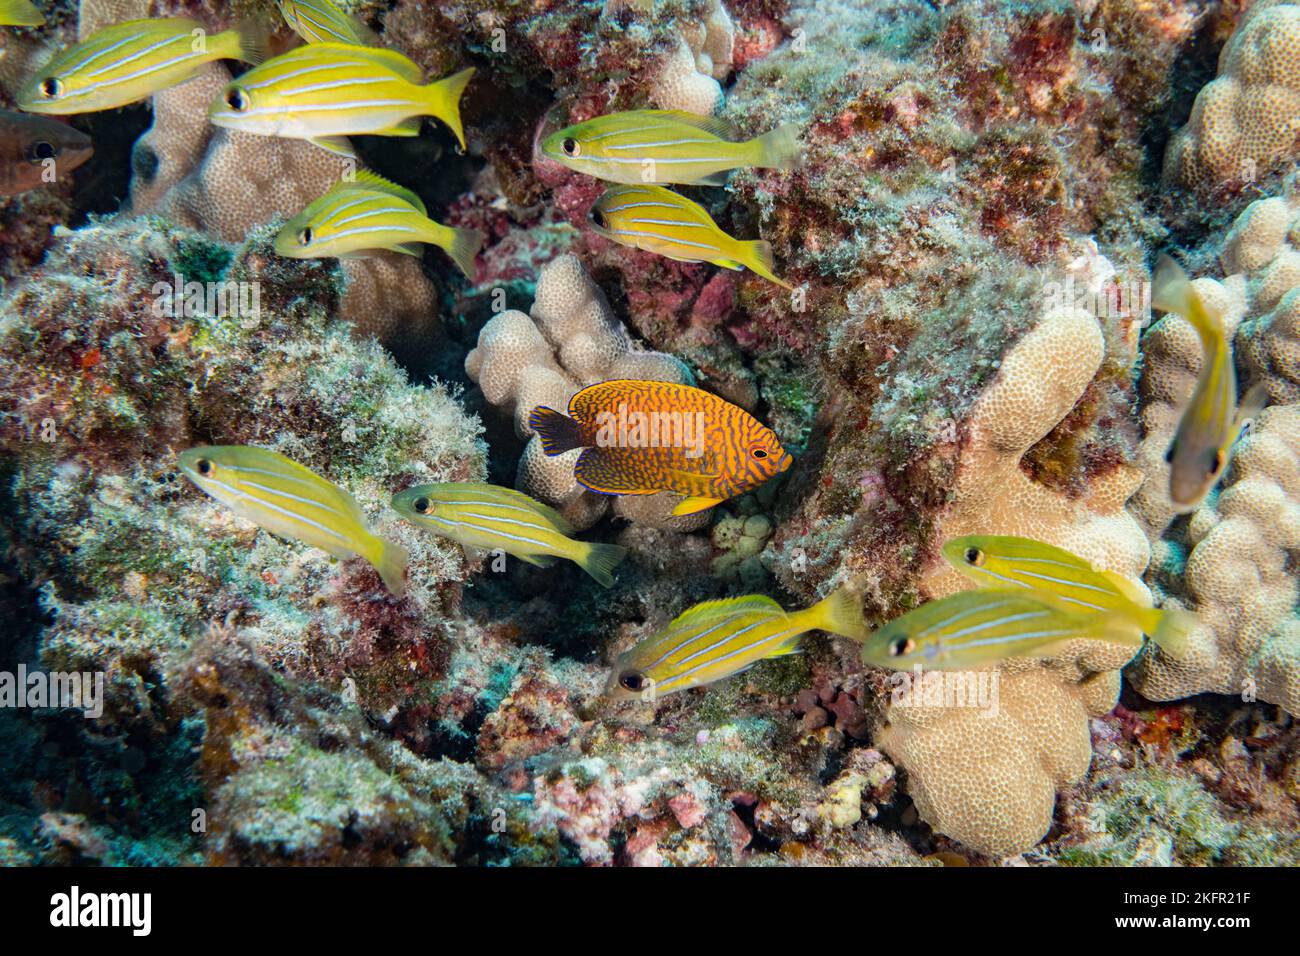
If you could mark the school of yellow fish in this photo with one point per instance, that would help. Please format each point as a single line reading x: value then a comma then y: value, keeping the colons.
x: 637, y: 438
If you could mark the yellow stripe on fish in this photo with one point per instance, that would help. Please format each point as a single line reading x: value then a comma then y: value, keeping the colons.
x: 489, y: 517
x: 640, y: 438
x: 20, y: 13
x: 1057, y: 576
x: 658, y: 220
x: 323, y: 21
x: 976, y: 628
x: 372, y: 213
x: 666, y: 146
x: 130, y: 61
x: 288, y: 500
x: 717, y: 639
x: 1212, y: 422
x: 326, y: 91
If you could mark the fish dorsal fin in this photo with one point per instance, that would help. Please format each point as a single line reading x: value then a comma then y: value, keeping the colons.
x: 367, y: 179
x: 711, y: 610
x: 389, y: 60
x: 709, y: 124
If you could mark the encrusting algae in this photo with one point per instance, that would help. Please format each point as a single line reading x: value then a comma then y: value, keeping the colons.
x: 835, y: 307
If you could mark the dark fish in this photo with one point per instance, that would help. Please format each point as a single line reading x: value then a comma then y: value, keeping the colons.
x: 35, y: 151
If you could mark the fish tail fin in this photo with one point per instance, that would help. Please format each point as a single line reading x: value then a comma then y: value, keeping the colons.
x: 840, y: 613
x: 778, y: 149
x: 251, y: 39
x: 443, y: 99
x: 559, y: 432
x: 20, y: 13
x: 757, y: 257
x: 1172, y: 291
x: 390, y: 561
x: 463, y: 246
x: 600, y: 560
x: 1170, y: 628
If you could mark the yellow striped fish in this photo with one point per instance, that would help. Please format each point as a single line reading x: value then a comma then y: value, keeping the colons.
x: 322, y: 21
x: 372, y: 213
x: 975, y: 628
x: 288, y: 500
x: 1057, y: 576
x: 716, y: 639
x: 667, y: 146
x: 20, y: 13
x: 489, y: 517
x: 660, y: 221
x: 130, y: 61
x: 1212, y: 422
x: 324, y: 92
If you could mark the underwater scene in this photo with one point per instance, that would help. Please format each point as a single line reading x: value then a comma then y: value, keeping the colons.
x: 531, y: 433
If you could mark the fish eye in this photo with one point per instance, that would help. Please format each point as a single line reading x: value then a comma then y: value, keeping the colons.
x: 759, y: 453
x: 571, y: 147
x: 631, y: 680
x: 51, y: 87
x: 305, y: 237
x: 421, y: 505
x: 203, y: 467
x: 237, y: 99
x: 598, y: 218
x: 1169, y: 455
x: 974, y: 556
x: 41, y: 151
x: 901, y: 646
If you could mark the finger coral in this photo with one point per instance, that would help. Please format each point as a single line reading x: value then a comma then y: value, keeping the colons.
x: 572, y: 340
x: 1247, y: 119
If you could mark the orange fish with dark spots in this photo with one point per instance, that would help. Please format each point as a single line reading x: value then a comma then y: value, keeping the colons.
x: 640, y: 438
x: 36, y: 151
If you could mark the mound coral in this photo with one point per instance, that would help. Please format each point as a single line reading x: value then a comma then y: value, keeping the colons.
x: 990, y: 781
x: 1247, y: 119
x: 572, y: 340
x: 1237, y: 574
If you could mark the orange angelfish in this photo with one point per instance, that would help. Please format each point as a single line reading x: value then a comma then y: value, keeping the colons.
x: 640, y: 438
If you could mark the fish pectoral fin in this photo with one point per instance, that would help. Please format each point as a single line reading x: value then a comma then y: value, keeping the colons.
x: 1251, y: 405
x: 358, y: 254
x: 694, y: 504
x: 540, y: 560
x: 407, y: 127
x: 338, y: 145
x: 712, y: 179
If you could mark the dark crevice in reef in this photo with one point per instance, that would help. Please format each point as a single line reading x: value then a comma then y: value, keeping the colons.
x: 102, y: 185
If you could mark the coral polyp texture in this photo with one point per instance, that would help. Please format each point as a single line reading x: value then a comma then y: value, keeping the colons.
x: 982, y: 194
x: 1246, y: 120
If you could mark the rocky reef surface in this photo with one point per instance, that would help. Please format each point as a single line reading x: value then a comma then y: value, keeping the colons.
x: 983, y: 188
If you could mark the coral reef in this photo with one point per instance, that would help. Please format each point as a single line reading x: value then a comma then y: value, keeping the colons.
x: 225, y: 183
x: 1248, y: 118
x: 1235, y: 570
x: 572, y: 340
